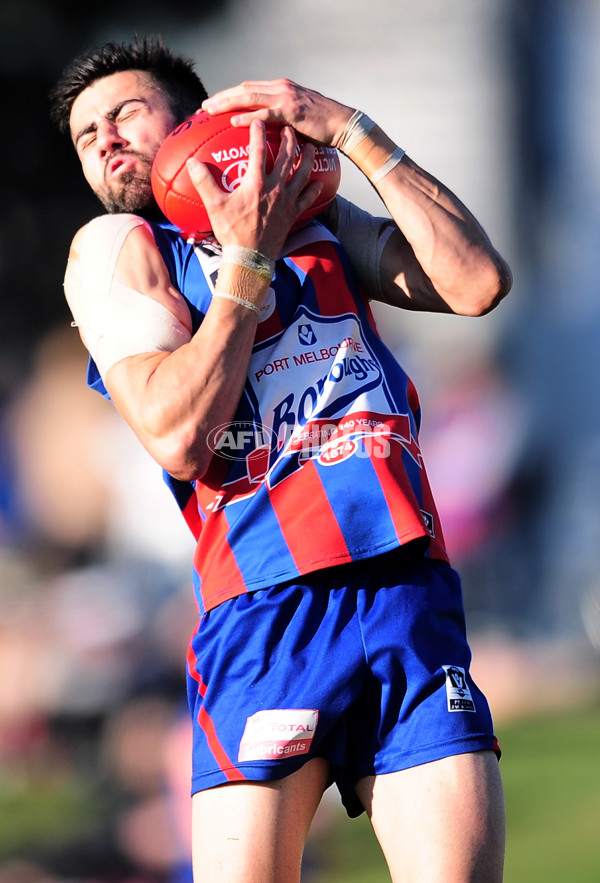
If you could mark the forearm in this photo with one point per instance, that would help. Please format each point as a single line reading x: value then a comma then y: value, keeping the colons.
x: 174, y: 400
x: 441, y: 258
x: 450, y: 262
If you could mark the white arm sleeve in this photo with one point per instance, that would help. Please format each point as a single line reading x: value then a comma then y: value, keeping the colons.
x: 364, y: 237
x: 115, y: 321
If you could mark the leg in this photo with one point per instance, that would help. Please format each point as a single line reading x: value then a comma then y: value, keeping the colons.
x: 440, y: 821
x: 254, y: 832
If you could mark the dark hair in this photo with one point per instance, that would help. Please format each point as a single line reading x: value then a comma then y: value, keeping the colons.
x: 174, y: 74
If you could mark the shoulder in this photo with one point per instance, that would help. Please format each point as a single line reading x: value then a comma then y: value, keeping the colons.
x: 104, y: 230
x: 97, y: 245
x: 122, y: 244
x: 352, y: 219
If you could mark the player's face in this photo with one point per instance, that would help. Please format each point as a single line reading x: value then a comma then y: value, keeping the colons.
x: 117, y: 125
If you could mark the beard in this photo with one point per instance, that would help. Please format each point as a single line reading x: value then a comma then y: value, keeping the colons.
x: 132, y: 191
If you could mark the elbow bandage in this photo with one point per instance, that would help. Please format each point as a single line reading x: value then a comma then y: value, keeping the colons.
x: 115, y: 321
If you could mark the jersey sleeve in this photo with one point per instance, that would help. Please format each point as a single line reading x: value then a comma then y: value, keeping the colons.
x: 363, y: 237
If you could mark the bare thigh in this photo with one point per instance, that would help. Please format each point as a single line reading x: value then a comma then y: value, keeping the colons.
x: 254, y: 832
x: 440, y: 821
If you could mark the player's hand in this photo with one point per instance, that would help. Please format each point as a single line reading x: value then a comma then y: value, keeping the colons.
x: 261, y: 211
x: 316, y: 117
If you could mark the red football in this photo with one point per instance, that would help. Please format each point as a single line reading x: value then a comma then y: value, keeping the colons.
x: 224, y: 148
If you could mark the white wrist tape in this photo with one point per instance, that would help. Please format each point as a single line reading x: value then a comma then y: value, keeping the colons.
x: 249, y: 258
x: 238, y: 300
x: 388, y: 165
x: 115, y: 321
x: 357, y: 128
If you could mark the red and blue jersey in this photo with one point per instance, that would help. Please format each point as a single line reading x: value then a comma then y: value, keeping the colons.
x: 321, y: 464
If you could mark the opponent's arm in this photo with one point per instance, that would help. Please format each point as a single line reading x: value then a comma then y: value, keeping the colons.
x: 172, y: 400
x: 439, y: 258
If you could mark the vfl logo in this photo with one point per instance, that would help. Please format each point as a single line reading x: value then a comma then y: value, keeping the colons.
x: 429, y: 522
x: 306, y: 335
x: 458, y: 693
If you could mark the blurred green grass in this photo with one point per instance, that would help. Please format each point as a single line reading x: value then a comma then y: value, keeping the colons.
x: 551, y: 772
x: 48, y: 816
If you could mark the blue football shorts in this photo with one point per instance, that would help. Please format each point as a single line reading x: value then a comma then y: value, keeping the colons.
x: 363, y: 664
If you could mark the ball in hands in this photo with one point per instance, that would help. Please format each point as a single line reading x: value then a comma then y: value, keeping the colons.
x: 224, y: 149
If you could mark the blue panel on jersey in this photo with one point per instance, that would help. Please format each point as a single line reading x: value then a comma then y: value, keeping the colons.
x: 270, y: 542
x: 197, y: 584
x: 358, y: 529
x: 309, y: 296
x: 94, y: 381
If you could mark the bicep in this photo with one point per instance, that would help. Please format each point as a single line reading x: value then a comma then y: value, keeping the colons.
x: 403, y: 282
x: 384, y: 261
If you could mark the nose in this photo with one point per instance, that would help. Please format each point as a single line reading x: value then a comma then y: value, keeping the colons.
x: 108, y: 137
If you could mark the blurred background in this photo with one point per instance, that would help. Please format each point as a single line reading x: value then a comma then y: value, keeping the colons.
x: 499, y: 99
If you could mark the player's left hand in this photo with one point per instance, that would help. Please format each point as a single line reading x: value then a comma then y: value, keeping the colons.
x: 319, y: 119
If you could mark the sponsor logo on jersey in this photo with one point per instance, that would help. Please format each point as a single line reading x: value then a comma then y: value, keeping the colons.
x: 324, y: 418
x: 458, y: 693
x: 276, y: 733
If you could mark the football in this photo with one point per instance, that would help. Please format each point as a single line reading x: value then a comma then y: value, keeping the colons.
x: 224, y: 148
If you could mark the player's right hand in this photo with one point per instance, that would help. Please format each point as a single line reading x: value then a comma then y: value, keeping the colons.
x: 261, y: 211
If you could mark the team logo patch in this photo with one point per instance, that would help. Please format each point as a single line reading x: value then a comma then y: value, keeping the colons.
x: 306, y: 335
x: 429, y: 522
x: 458, y: 693
x: 276, y: 733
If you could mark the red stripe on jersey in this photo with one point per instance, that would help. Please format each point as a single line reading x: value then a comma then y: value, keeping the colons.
x: 192, y: 516
x: 405, y: 511
x: 215, y: 561
x: 268, y: 327
x: 412, y: 396
x: 322, y: 264
x: 437, y: 549
x: 208, y: 728
x: 307, y: 536
x: 191, y: 662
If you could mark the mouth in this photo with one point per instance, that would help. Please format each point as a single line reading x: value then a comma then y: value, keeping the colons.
x: 127, y: 185
x: 119, y: 163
